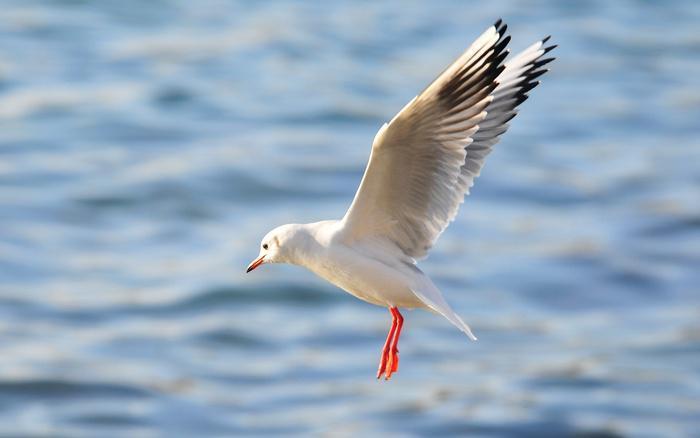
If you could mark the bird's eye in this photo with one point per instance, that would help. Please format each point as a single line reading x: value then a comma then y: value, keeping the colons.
x: 265, y: 246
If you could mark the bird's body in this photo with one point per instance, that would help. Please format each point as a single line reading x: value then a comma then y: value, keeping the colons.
x: 421, y: 166
x: 370, y: 269
x: 361, y: 269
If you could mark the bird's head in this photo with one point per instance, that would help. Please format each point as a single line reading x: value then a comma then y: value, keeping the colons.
x: 278, y: 246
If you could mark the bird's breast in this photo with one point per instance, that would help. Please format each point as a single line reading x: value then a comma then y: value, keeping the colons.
x: 367, y: 278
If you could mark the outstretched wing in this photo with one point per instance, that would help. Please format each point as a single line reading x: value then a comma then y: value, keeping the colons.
x: 424, y: 160
x: 517, y: 79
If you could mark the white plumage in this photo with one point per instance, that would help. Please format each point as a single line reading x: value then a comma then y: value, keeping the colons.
x: 422, y: 164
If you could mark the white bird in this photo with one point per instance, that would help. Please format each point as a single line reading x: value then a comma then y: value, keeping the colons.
x: 421, y: 166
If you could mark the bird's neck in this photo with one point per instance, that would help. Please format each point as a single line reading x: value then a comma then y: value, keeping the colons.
x: 310, y: 241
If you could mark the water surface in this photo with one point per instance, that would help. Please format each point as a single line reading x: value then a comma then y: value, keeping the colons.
x: 146, y: 147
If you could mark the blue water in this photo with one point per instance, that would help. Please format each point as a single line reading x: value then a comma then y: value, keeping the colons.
x: 146, y: 147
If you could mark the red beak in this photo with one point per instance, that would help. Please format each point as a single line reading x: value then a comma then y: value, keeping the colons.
x: 257, y: 262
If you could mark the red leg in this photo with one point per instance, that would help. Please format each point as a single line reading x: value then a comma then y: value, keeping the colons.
x: 393, y: 363
x: 385, y: 351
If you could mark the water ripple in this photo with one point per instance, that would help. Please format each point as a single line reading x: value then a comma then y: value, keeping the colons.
x: 146, y: 147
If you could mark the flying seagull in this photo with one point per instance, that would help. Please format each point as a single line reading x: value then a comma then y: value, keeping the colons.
x: 421, y: 166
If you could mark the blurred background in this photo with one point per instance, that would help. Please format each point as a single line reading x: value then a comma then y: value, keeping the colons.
x: 146, y: 147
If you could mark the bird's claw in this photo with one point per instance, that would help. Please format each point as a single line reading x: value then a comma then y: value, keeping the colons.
x: 389, y: 362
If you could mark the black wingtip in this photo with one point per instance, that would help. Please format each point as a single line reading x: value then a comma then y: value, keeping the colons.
x: 529, y: 86
x: 550, y: 48
x: 510, y: 117
x: 545, y: 39
x: 541, y: 62
x: 500, y: 27
x: 521, y: 98
x: 537, y: 74
x: 500, y: 58
x: 500, y: 46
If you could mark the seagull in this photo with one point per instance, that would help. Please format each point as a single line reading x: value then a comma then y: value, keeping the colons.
x: 421, y: 166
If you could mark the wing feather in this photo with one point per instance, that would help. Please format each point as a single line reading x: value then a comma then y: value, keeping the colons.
x: 515, y: 82
x: 424, y: 160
